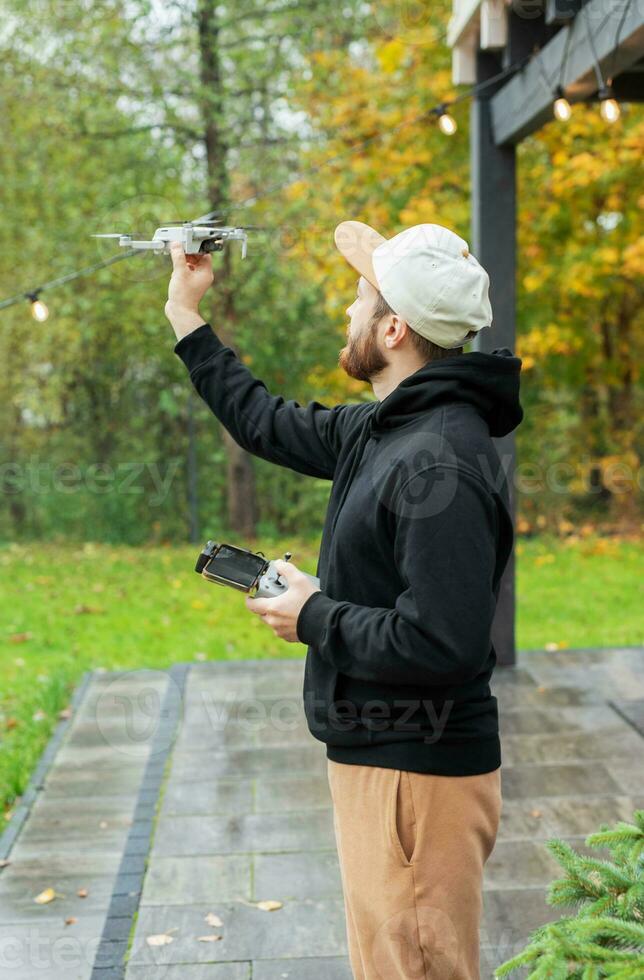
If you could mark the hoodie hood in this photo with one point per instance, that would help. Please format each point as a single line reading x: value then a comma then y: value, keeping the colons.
x: 488, y: 381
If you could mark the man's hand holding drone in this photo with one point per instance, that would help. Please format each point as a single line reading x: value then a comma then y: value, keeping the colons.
x: 192, y: 276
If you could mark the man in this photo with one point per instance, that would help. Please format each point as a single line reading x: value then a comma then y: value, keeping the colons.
x: 417, y: 535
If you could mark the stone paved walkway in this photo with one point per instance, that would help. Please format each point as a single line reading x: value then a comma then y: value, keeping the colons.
x: 244, y: 815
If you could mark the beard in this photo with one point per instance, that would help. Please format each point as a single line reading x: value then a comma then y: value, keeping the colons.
x: 361, y: 358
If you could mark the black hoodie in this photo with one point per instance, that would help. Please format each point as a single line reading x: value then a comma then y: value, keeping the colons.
x: 417, y: 534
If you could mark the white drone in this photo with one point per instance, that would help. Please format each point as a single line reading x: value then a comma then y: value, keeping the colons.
x: 201, y: 235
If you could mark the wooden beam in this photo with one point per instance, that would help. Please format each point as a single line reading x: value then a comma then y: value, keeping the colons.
x: 464, y: 60
x: 494, y: 24
x: 464, y: 14
x: 493, y: 239
x: 524, y: 104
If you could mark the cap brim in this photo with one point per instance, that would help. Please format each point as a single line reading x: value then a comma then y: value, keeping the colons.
x: 357, y: 242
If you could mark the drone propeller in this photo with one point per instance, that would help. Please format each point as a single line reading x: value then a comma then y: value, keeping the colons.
x: 206, y: 218
x: 115, y: 235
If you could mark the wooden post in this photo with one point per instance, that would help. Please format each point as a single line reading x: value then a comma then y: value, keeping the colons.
x: 493, y: 237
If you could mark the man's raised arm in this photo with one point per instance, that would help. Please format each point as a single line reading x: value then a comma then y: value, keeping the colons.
x: 303, y: 438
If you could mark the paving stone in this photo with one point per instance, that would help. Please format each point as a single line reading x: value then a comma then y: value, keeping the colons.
x: 493, y: 956
x: 510, y: 915
x: 557, y: 779
x: 118, y: 806
x: 99, y: 757
x: 616, y: 679
x: 192, y: 880
x: 633, y: 711
x: 57, y: 867
x: 536, y: 819
x: 79, y: 784
x: 43, y: 947
x: 512, y: 676
x: 299, y: 929
x: 528, y: 859
x: 312, y: 830
x: 566, y: 747
x: 259, y: 728
x: 551, y: 695
x: 17, y: 897
x: 192, y: 971
x: 242, y: 763
x: 628, y: 774
x: 297, y: 876
x: 208, y: 798
x: 282, y: 792
x: 73, y: 971
x: 540, y: 721
x: 321, y: 968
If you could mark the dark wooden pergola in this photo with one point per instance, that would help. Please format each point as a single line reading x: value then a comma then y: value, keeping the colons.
x: 574, y: 38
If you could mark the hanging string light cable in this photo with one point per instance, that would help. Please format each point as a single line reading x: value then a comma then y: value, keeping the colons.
x: 38, y: 309
x: 609, y: 107
x: 561, y: 108
x: 447, y: 124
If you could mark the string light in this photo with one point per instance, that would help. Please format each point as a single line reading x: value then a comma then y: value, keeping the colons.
x: 561, y: 108
x: 39, y: 310
x: 446, y: 123
x: 609, y: 108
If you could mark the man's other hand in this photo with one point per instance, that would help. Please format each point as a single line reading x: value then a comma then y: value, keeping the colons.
x: 192, y: 276
x: 281, y: 612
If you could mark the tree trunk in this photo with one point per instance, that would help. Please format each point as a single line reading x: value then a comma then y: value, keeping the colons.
x: 241, y: 490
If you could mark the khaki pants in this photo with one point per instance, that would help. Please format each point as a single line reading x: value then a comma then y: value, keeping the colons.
x: 411, y: 848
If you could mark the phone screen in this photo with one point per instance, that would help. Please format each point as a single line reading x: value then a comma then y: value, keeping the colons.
x: 236, y: 566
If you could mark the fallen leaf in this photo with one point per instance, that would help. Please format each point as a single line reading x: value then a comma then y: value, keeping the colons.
x: 535, y: 813
x: 213, y: 920
x: 48, y: 895
x: 20, y: 637
x: 4, y: 863
x: 65, y: 713
x: 270, y: 905
x: 11, y: 722
x: 82, y: 893
x: 72, y: 920
x: 209, y: 939
x: 162, y: 939
x: 83, y: 609
x: 103, y: 824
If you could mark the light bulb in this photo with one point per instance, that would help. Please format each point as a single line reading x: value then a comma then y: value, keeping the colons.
x: 38, y: 310
x: 610, y: 110
x: 447, y: 124
x: 562, y: 109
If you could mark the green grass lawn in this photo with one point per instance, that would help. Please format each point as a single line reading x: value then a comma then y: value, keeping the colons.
x: 68, y: 609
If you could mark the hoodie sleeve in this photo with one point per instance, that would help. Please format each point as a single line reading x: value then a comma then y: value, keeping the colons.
x: 303, y: 438
x: 439, y: 632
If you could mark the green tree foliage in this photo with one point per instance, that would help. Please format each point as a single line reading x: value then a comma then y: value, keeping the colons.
x: 605, y: 936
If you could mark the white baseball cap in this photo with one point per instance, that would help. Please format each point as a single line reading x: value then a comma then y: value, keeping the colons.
x: 428, y: 276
